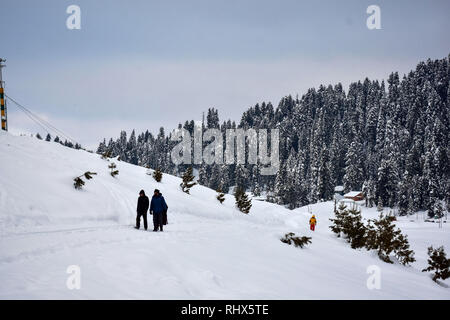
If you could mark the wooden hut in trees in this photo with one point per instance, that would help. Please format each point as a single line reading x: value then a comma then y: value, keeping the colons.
x: 354, y: 195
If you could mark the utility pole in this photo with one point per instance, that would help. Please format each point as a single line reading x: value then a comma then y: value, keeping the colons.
x: 3, y: 113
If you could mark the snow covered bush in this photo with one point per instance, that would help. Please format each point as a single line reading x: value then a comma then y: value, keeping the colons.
x: 379, y: 235
x: 383, y: 237
x: 106, y: 155
x: 242, y: 201
x: 187, y: 183
x: 220, y: 196
x: 114, y: 172
x: 350, y: 224
x: 157, y: 175
x: 290, y: 239
x: 355, y: 229
x: 438, y: 263
x: 78, y: 183
x: 402, y: 251
x: 338, y: 222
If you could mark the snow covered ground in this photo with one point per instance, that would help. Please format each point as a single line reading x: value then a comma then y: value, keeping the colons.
x: 208, y: 250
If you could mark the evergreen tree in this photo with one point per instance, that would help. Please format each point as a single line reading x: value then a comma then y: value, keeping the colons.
x: 220, y: 196
x: 78, y: 182
x: 325, y: 184
x: 157, y: 175
x: 188, y: 179
x: 354, y: 174
x: 349, y: 223
x: 388, y: 171
x: 290, y: 239
x: 113, y: 169
x: 355, y: 229
x: 438, y: 263
x: 242, y: 176
x: 402, y: 251
x: 340, y: 216
x: 106, y: 155
x: 242, y: 201
x: 383, y: 237
x: 380, y: 206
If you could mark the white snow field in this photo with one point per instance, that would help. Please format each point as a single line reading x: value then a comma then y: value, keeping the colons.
x: 207, y: 251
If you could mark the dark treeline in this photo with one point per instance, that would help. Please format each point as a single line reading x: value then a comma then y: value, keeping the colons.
x: 389, y: 140
x: 65, y: 143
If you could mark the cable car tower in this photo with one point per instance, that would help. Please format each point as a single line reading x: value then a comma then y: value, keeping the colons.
x: 3, y: 113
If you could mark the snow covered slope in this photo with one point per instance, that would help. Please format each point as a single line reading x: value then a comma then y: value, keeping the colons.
x: 208, y: 250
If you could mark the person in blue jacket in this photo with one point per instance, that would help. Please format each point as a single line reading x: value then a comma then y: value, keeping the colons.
x: 157, y: 207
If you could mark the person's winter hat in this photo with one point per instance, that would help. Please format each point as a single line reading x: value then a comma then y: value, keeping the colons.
x: 156, y: 190
x: 142, y: 192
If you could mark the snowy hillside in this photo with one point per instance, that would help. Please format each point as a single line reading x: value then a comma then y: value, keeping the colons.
x: 208, y: 250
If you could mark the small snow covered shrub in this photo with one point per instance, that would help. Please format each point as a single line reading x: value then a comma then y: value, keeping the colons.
x: 379, y: 235
x: 383, y: 237
x: 402, y: 251
x: 350, y: 224
x: 220, y: 196
x: 106, y: 155
x: 438, y: 263
x: 242, y: 201
x: 338, y: 222
x: 157, y: 175
x: 355, y: 229
x: 78, y: 183
x: 114, y: 172
x: 290, y: 239
x: 188, y: 179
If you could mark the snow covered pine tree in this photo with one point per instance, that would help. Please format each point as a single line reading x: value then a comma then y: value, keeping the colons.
x: 187, y: 180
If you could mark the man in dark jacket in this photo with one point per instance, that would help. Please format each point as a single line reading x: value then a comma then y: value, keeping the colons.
x: 157, y: 207
x: 142, y: 207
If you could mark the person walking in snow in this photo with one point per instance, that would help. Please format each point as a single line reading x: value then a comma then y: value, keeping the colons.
x: 157, y: 207
x: 142, y: 207
x: 312, y: 222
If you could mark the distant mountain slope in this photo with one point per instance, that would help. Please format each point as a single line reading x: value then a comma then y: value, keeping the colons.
x: 389, y: 139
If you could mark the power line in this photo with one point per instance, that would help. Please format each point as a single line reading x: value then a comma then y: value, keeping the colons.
x: 30, y: 115
x: 34, y: 120
x: 41, y: 122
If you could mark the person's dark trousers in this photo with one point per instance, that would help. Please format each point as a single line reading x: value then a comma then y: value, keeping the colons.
x: 164, y: 217
x: 138, y: 220
x: 157, y: 221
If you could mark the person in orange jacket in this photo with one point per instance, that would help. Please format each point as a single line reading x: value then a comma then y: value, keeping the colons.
x: 312, y: 222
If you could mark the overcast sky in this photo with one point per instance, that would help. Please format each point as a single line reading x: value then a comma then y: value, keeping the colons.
x: 146, y: 64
